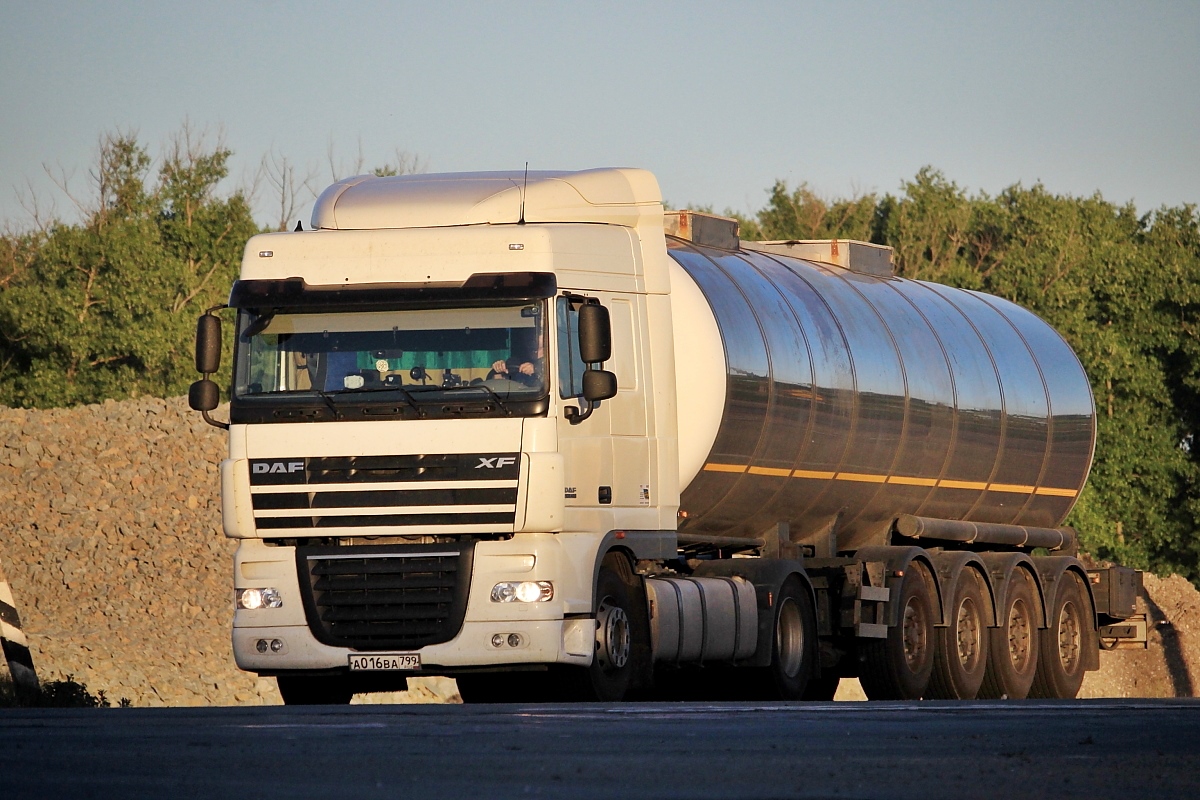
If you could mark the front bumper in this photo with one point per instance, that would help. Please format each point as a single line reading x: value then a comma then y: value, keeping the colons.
x: 543, y: 642
x: 553, y: 632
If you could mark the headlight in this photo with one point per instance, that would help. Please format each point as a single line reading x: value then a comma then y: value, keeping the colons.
x: 523, y: 592
x: 259, y: 598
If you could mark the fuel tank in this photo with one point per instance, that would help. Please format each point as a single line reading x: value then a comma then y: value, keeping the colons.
x: 835, y: 401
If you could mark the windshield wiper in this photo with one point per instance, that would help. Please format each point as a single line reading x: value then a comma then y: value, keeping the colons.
x: 486, y: 388
x: 408, y: 398
x: 329, y: 402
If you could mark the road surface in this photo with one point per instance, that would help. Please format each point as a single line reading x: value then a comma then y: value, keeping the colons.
x: 1052, y: 749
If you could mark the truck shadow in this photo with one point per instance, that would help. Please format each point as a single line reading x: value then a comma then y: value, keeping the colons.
x: 1177, y: 666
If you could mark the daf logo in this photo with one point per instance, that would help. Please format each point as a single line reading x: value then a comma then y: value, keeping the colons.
x: 496, y: 462
x: 278, y: 467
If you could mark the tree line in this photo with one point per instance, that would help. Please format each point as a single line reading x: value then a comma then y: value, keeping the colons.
x: 105, y: 307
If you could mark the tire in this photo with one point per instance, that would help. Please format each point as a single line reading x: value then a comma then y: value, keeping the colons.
x: 1013, y: 644
x: 1064, y: 641
x: 309, y: 690
x: 793, y: 650
x: 899, y: 667
x: 622, y: 637
x: 961, y: 647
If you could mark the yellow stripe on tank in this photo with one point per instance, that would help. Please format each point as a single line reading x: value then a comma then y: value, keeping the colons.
x: 779, y: 473
x: 1011, y: 488
x: 725, y: 468
x: 808, y: 473
x: 1049, y: 490
x: 906, y: 481
x: 900, y: 480
x: 860, y: 477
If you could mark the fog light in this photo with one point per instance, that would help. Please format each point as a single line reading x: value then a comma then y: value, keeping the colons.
x: 498, y: 640
x: 252, y: 599
x: 276, y: 645
x: 261, y: 645
x: 523, y: 592
x: 514, y: 640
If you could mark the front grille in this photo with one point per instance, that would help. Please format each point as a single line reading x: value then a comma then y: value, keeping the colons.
x: 376, y: 495
x: 385, y: 598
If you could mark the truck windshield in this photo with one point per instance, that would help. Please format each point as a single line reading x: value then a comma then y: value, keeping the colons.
x: 498, y: 350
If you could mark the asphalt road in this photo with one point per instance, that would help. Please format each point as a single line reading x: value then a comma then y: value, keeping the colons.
x: 1101, y: 748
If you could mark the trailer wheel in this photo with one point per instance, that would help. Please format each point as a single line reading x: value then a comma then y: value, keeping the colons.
x: 1013, y: 643
x: 899, y: 667
x: 1064, y: 641
x: 314, y: 690
x: 960, y: 652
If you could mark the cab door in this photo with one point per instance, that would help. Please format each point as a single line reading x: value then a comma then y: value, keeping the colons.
x: 607, y: 457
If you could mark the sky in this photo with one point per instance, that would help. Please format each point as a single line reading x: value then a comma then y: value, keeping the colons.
x: 718, y: 99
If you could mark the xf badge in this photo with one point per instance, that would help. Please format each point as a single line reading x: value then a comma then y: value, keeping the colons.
x: 496, y: 462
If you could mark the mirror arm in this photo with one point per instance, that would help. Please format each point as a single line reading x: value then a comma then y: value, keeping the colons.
x: 577, y: 415
x: 216, y: 423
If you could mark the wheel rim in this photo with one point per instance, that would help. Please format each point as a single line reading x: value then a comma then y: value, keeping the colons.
x: 1070, y: 635
x: 1020, y: 628
x: 789, y: 638
x: 612, y: 635
x: 970, y: 634
x: 915, y: 635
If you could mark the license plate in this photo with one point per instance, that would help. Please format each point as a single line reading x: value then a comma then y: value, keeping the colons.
x: 384, y: 661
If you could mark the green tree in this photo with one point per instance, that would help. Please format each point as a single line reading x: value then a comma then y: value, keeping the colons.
x: 107, y: 307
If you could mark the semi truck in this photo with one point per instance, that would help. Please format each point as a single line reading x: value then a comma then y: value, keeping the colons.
x: 532, y: 431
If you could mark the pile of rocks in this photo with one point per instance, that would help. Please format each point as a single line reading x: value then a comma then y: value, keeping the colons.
x: 111, y: 538
x: 110, y: 535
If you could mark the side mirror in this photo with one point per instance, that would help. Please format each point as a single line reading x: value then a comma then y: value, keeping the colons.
x: 595, y: 334
x: 203, y: 395
x: 599, y: 384
x: 208, y: 345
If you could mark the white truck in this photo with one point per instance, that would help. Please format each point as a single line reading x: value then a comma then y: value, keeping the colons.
x: 531, y: 431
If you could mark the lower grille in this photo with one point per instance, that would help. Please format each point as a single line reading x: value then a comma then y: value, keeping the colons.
x: 384, y: 598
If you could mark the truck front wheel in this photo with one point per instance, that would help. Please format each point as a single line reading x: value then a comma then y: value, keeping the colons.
x: 622, y: 636
x: 314, y: 690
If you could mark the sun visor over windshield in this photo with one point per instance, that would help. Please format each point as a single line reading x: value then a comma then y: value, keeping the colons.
x: 480, y: 288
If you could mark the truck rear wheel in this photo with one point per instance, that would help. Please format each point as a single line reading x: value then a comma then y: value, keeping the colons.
x: 1013, y: 643
x: 899, y: 667
x: 314, y: 690
x: 960, y: 652
x: 793, y: 650
x: 1064, y: 641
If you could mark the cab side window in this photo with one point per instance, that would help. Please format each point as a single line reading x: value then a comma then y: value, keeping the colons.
x: 570, y: 366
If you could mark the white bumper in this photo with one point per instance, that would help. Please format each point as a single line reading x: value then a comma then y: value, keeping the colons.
x: 545, y: 637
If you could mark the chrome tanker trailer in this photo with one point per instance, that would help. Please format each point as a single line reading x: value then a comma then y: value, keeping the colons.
x: 534, y: 433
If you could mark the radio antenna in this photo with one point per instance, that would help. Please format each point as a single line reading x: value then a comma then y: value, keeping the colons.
x: 524, y: 186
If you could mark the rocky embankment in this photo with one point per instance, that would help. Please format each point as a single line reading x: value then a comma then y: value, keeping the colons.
x: 110, y: 535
